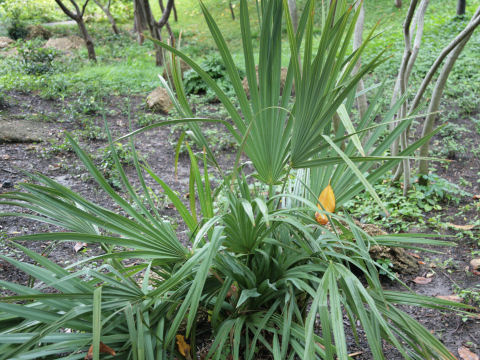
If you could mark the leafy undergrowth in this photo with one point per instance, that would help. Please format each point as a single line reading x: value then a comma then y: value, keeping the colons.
x: 407, y: 211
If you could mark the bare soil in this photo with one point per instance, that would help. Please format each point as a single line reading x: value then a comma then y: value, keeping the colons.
x: 27, y: 149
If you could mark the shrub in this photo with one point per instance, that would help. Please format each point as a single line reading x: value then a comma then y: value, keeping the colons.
x: 256, y: 274
x: 35, y: 59
x: 214, y: 67
x: 17, y: 28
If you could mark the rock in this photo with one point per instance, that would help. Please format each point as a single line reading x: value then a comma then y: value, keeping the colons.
x: 283, y: 78
x: 65, y: 43
x: 23, y: 131
x: 5, y: 42
x: 167, y: 72
x: 159, y: 101
x: 38, y: 31
x: 401, y: 261
x: 475, y: 264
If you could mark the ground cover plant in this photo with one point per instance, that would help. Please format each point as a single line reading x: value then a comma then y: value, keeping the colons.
x: 245, y: 270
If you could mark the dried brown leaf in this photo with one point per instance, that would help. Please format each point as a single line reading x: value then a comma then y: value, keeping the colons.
x: 461, y: 227
x: 420, y: 280
x: 183, y: 347
x: 466, y: 354
x: 454, y: 298
x: 326, y: 202
x: 104, y: 349
x: 475, y: 264
x: 79, y: 246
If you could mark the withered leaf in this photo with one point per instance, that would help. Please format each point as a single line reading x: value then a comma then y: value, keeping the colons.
x: 183, y: 347
x: 461, y: 227
x: 466, y: 354
x: 454, y: 298
x: 79, y: 246
x: 326, y: 201
x: 422, y: 280
x: 104, y: 349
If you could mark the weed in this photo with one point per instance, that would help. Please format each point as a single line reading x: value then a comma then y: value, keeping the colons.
x: 35, y: 59
x: 17, y: 28
x: 404, y: 209
x: 214, y: 67
x: 107, y: 163
x: 3, y: 99
x: 469, y: 295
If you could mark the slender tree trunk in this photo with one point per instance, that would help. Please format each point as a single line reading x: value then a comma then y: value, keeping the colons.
x: 292, y: 8
x: 231, y: 9
x: 175, y: 15
x: 86, y: 37
x: 461, y: 7
x: 402, y: 82
x: 155, y: 27
x: 111, y: 19
x: 429, y: 124
x: 78, y: 17
x: 140, y: 20
x: 398, y: 3
x: 357, y: 42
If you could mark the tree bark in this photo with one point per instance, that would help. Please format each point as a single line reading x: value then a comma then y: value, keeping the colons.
x: 78, y: 17
x: 398, y: 3
x: 155, y: 27
x: 438, y: 61
x: 231, y: 9
x: 175, y: 15
x: 111, y: 19
x: 461, y: 7
x: 292, y: 8
x: 140, y: 20
x: 87, y: 38
x: 357, y: 42
x: 437, y: 95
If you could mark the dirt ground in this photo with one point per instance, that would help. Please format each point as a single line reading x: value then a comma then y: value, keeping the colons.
x: 24, y: 144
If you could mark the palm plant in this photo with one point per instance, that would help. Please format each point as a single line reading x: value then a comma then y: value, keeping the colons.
x: 267, y: 276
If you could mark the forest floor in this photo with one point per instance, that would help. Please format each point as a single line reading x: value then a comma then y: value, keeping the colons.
x: 31, y: 145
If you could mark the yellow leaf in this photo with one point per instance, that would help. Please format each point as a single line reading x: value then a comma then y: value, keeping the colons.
x: 183, y: 347
x: 326, y: 202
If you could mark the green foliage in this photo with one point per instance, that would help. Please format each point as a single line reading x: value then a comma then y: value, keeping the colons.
x: 3, y: 98
x: 107, y: 163
x: 405, y: 211
x: 17, y: 28
x: 214, y: 67
x: 269, y: 277
x: 36, y: 60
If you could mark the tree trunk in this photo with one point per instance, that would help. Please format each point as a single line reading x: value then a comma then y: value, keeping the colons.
x: 461, y: 6
x: 398, y: 3
x: 155, y: 27
x: 292, y: 7
x: 357, y: 42
x: 86, y: 37
x: 175, y: 15
x: 140, y: 20
x: 111, y: 19
x: 78, y: 17
x: 437, y: 96
x: 231, y: 9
